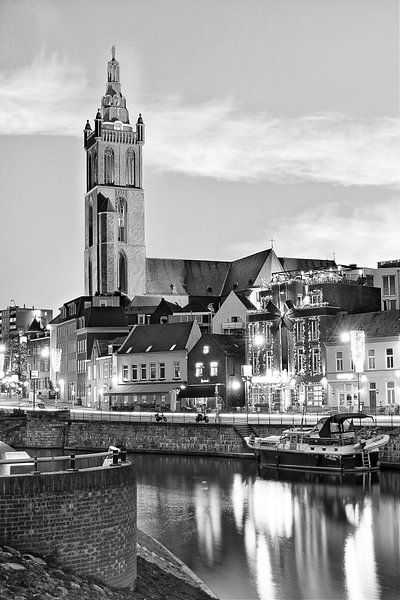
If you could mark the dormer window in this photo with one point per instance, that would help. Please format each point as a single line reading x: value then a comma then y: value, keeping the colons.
x: 206, y: 349
x: 173, y: 347
x: 149, y: 348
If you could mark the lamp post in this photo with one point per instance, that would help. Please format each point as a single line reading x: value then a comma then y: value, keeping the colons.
x: 246, y: 376
x: 357, y: 349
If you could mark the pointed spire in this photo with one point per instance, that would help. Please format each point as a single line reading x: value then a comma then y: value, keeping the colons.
x: 114, y: 103
x: 113, y: 52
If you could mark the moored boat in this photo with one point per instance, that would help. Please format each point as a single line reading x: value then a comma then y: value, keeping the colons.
x: 334, y: 444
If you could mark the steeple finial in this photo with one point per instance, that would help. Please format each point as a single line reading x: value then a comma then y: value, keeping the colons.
x: 113, y: 52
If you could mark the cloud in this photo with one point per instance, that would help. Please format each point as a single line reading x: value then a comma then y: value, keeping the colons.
x: 215, y: 139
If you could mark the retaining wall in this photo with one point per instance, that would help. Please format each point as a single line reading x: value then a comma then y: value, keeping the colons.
x: 86, y: 519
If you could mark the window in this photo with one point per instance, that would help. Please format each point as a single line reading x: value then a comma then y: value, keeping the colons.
x: 143, y: 371
x: 130, y: 167
x: 152, y: 370
x: 141, y: 319
x: 390, y: 393
x: 122, y: 273
x: 161, y: 370
x: 90, y: 219
x: 121, y: 210
x: 125, y: 373
x: 314, y: 329
x: 206, y: 349
x: 371, y: 359
x: 299, y: 331
x: 213, y: 369
x: 316, y: 297
x: 199, y: 369
x: 389, y: 358
x: 300, y: 359
x: 339, y: 361
x: 389, y: 305
x: 269, y: 360
x: 134, y: 372
x: 315, y: 360
x: 177, y: 369
x: 389, y: 285
x: 109, y: 166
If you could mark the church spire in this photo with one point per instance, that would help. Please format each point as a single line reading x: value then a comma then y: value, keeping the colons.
x: 113, y: 104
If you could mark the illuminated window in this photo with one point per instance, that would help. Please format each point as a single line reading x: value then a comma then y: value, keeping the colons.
x: 199, y: 369
x: 177, y: 370
x: 213, y: 369
x: 206, y: 349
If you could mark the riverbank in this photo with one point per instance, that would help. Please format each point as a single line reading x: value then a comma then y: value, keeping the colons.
x: 160, y: 576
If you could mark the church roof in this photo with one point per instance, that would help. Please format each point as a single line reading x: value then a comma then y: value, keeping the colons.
x: 306, y: 264
x: 187, y: 277
x: 244, y: 271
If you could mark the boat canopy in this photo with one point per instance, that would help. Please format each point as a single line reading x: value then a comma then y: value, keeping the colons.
x: 339, y: 423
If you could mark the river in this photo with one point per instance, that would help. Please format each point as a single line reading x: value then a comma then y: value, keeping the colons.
x: 292, y: 536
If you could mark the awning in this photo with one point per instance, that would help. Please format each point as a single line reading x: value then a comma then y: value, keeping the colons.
x: 200, y: 391
x: 142, y: 388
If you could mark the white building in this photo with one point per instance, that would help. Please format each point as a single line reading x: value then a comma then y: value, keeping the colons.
x: 378, y: 379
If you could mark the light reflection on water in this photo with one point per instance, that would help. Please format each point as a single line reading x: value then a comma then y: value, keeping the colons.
x: 297, y: 535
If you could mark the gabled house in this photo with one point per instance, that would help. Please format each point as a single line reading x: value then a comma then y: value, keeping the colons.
x: 151, y: 366
x: 214, y: 372
x: 231, y: 317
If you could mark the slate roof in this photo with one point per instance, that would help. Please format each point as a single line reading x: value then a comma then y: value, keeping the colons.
x: 188, y: 277
x: 305, y: 264
x: 105, y: 316
x: 160, y: 337
x: 244, y: 271
x: 246, y: 302
x: 375, y: 324
x: 230, y: 344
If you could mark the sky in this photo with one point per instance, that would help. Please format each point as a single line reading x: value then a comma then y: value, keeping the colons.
x: 265, y: 120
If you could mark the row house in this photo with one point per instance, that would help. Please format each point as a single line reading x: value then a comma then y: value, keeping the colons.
x: 375, y: 384
x: 150, y: 366
x: 72, y: 333
x: 285, y: 350
x: 387, y: 277
x: 214, y: 372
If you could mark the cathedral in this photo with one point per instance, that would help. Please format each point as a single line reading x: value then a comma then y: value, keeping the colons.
x: 115, y: 250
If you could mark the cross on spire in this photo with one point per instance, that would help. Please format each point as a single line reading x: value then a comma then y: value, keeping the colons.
x: 272, y: 243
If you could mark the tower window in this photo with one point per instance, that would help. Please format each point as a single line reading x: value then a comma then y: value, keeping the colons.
x: 130, y: 167
x: 90, y: 224
x: 122, y: 274
x: 109, y: 166
x: 121, y: 208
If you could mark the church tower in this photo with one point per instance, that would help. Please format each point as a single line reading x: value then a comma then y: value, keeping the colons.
x: 115, y: 253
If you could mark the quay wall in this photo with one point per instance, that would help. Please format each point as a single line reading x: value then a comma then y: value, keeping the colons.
x: 85, y: 519
x: 53, y: 431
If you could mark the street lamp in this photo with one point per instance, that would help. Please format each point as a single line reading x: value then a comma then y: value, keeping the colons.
x: 246, y: 376
x: 357, y: 349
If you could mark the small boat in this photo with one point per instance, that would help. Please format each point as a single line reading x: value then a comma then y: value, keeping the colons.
x: 334, y: 444
x: 14, y: 462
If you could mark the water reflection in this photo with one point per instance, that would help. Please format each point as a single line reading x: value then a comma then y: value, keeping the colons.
x: 280, y: 536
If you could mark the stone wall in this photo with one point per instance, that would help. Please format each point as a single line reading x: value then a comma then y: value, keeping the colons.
x: 157, y: 437
x: 85, y: 519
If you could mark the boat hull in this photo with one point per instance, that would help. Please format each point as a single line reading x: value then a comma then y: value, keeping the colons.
x: 308, y: 461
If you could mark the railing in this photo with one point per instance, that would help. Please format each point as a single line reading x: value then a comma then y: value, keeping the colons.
x: 116, y: 456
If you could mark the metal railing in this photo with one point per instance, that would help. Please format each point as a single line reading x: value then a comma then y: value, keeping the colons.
x: 117, y: 456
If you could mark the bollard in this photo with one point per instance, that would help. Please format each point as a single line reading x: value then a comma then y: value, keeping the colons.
x: 72, y: 463
x: 35, y: 466
x: 115, y: 457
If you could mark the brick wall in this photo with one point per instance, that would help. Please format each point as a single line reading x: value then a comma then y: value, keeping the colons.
x: 86, y: 519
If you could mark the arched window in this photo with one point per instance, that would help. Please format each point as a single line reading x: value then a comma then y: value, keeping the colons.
x: 122, y: 273
x: 130, y: 167
x: 108, y: 165
x: 90, y: 225
x: 121, y: 212
x: 90, y: 280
